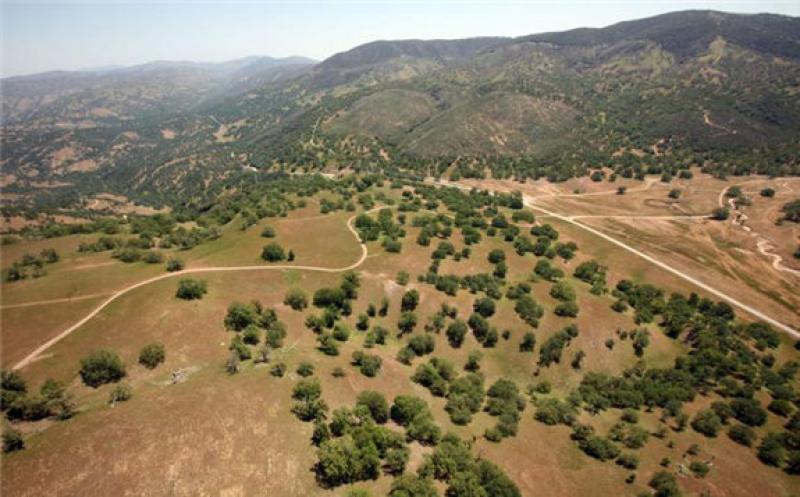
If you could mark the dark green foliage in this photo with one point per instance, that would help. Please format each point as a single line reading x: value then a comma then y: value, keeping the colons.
x: 528, y: 310
x: 423, y: 429
x: 412, y: 486
x: 484, y: 306
x: 152, y: 355
x: 422, y: 344
x: 308, y: 406
x: 240, y: 316
x: 251, y: 335
x: 189, y: 289
x: 305, y: 369
x: 100, y: 367
x: 409, y: 301
x: 553, y: 347
x: 505, y: 402
x: 699, y: 468
x: 566, y: 309
x: 665, y: 485
x: 748, y: 411
x: 791, y: 211
x: 720, y: 214
x: 238, y: 347
x: 554, y: 411
x: 121, y: 393
x: 464, y: 398
x: 175, y: 264
x: 278, y: 370
x: 772, y: 451
x: 528, y: 342
x: 406, y: 407
x: 628, y: 461
x: 368, y: 364
x: 327, y: 344
x: 12, y: 441
x: 375, y: 403
x: 296, y: 299
x: 407, y: 322
x: 435, y: 375
x: 456, y: 332
x: 563, y: 291
x: 599, y: 447
x: 742, y: 434
x: 272, y: 252
x: 546, y: 270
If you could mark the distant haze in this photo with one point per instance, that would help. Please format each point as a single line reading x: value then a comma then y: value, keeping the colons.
x: 64, y: 36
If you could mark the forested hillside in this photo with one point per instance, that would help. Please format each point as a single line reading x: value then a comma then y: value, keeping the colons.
x: 654, y: 95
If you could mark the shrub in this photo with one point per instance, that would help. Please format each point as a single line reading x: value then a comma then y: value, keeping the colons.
x: 296, y: 299
x: 628, y: 461
x: 376, y: 403
x: 251, y: 335
x: 599, y: 447
x: 562, y: 291
x: 456, y: 333
x: 566, y: 309
x: 484, y: 306
x: 175, y: 264
x: 272, y: 252
x: 742, y: 434
x: 268, y: 232
x: 153, y: 257
x: 305, y: 369
x: 121, y: 393
x: 12, y: 440
x: 413, y: 486
x: 152, y: 355
x: 528, y: 342
x: 720, y: 214
x: 240, y: 316
x: 409, y: 301
x: 278, y: 370
x: 748, y: 411
x: 100, y: 367
x: 665, y: 485
x: 368, y: 364
x: 699, y: 468
x: 707, y: 422
x: 496, y: 256
x: 189, y: 289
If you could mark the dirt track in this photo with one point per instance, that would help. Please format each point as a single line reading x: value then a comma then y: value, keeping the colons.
x: 42, y: 348
x: 529, y: 201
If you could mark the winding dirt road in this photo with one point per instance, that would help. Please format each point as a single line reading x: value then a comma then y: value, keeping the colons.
x: 213, y: 269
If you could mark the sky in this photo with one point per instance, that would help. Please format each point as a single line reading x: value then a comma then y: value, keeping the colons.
x: 37, y: 37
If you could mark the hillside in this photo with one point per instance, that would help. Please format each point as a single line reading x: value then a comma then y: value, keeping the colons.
x: 658, y: 95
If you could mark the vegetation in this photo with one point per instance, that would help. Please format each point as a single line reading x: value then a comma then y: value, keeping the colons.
x: 152, y: 355
x: 100, y: 367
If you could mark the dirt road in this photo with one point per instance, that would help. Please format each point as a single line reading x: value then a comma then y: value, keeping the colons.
x: 531, y: 203
x: 42, y: 348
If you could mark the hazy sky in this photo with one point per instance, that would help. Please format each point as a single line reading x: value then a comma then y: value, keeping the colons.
x: 66, y: 35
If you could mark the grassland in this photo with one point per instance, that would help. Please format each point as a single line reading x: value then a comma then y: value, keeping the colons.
x: 221, y: 434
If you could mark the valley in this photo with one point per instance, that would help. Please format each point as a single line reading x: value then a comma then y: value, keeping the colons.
x: 561, y: 264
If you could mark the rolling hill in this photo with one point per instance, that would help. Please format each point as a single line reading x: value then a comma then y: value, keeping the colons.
x: 660, y: 94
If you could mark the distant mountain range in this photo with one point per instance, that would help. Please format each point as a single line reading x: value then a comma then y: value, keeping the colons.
x: 696, y: 87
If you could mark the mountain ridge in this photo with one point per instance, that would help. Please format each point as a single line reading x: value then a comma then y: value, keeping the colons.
x: 660, y: 94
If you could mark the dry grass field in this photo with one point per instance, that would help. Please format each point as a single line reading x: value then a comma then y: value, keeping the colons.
x: 234, y: 435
